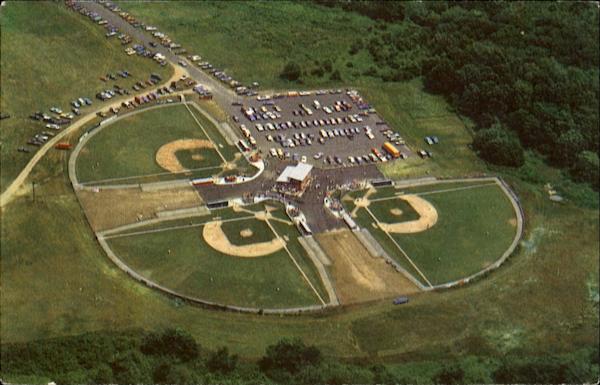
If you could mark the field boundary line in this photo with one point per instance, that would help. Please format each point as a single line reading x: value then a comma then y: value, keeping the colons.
x: 399, y: 248
x: 117, y: 235
x: 456, y: 189
x: 296, y: 263
x: 204, y: 130
x: 147, y: 175
x: 434, y: 192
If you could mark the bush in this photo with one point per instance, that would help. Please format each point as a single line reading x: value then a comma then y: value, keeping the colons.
x: 222, y: 361
x: 289, y: 356
x: 291, y: 71
x: 586, y: 168
x: 175, y: 343
x: 497, y: 146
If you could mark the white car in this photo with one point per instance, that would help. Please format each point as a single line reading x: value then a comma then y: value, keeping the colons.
x: 303, y: 160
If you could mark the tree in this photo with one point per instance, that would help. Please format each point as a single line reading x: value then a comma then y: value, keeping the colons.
x: 222, y: 361
x: 335, y: 75
x: 586, y: 168
x: 176, y: 343
x: 131, y: 367
x: 450, y: 375
x: 291, y: 71
x: 497, y: 146
x: 289, y: 356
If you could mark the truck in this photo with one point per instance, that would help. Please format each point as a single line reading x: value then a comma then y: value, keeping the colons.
x: 391, y: 149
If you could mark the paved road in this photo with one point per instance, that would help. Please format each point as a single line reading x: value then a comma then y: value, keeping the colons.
x: 221, y: 94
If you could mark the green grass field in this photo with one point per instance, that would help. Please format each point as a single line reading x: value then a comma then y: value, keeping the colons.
x: 50, y: 62
x: 56, y: 281
x: 476, y: 224
x: 194, y: 268
x: 128, y: 147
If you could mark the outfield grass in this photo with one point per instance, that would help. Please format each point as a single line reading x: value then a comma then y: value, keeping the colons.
x: 194, y: 268
x: 475, y: 227
x: 228, y: 151
x: 128, y: 147
x: 51, y: 56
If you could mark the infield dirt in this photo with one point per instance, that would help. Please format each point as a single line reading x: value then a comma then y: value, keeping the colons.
x: 358, y: 276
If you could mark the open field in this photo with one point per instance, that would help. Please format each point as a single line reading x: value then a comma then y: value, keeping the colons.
x: 177, y: 254
x: 56, y: 281
x: 35, y: 78
x: 181, y: 260
x: 107, y: 209
x: 358, y: 276
x: 476, y: 224
x: 79, y: 282
x: 129, y: 147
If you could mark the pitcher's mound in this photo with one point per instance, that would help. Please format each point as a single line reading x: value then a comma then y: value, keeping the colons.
x: 246, y: 233
x: 396, y: 212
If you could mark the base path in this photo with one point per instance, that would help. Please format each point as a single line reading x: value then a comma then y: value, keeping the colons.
x: 166, y: 155
x: 428, y: 217
x: 215, y: 237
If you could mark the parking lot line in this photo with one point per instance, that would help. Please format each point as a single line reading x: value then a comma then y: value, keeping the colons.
x: 399, y: 248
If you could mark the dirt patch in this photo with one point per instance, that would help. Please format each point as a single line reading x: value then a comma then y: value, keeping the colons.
x: 246, y: 233
x: 396, y: 212
x: 165, y: 156
x: 111, y: 208
x: 215, y: 237
x: 197, y: 157
x: 428, y: 217
x: 357, y: 275
x: 512, y: 222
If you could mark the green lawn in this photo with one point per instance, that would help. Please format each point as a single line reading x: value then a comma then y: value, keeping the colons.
x: 128, y: 147
x: 56, y: 281
x: 51, y: 56
x: 215, y: 135
x: 195, y: 269
x: 473, y: 230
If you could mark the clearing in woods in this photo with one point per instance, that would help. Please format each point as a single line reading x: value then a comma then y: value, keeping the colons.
x: 359, y: 276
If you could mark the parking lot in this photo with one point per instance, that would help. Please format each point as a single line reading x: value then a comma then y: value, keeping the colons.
x: 325, y: 128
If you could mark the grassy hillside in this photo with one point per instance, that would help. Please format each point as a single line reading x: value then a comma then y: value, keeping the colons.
x: 50, y: 56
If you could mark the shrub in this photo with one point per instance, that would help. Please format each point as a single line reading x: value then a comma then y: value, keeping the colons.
x: 291, y: 71
x: 497, y: 146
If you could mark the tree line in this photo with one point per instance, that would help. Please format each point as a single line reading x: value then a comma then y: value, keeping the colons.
x: 526, y: 73
x: 172, y: 356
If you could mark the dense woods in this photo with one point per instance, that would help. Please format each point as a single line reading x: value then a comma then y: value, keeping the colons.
x: 529, y: 68
x: 173, y: 357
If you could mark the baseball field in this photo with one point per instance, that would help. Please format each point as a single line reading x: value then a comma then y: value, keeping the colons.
x: 459, y: 229
x: 160, y: 143
x: 240, y: 257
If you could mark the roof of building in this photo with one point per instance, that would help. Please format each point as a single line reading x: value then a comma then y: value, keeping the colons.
x: 298, y: 172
